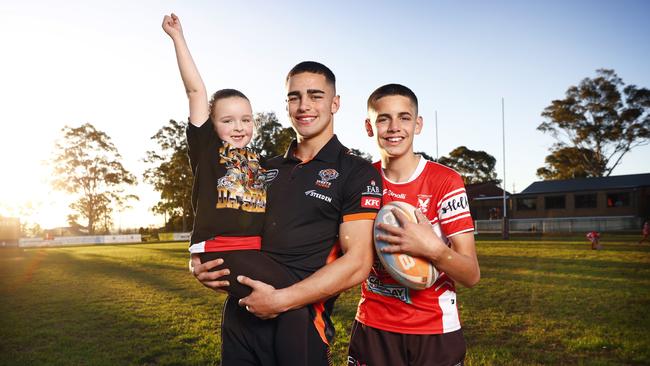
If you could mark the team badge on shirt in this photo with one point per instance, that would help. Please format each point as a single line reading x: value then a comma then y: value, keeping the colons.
x: 326, y: 175
x: 423, y: 202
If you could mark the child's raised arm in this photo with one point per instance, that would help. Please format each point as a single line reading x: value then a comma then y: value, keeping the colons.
x: 194, y: 87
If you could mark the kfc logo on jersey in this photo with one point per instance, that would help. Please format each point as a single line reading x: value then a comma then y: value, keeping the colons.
x: 371, y: 202
x: 372, y: 189
x: 326, y: 175
x: 423, y: 202
x: 455, y: 204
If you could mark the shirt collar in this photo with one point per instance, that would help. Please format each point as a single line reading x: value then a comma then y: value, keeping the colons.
x: 328, y: 153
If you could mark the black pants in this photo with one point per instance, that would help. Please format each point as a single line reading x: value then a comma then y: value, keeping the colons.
x: 287, y: 333
x: 247, y: 340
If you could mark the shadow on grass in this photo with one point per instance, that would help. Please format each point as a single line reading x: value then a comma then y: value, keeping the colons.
x: 600, y: 269
x: 97, y: 311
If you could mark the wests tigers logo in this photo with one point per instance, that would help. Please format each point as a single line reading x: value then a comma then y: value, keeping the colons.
x: 326, y: 175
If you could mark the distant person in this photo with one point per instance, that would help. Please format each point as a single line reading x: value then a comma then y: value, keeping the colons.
x: 396, y: 325
x: 645, y: 232
x: 594, y: 239
x: 229, y: 194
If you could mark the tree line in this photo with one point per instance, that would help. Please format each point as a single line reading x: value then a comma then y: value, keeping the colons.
x: 595, y: 125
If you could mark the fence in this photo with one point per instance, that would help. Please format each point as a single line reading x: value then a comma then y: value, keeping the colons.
x: 563, y: 225
x: 174, y: 236
x: 96, y: 239
x: 79, y: 240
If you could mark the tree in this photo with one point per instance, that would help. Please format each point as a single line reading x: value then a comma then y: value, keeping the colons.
x: 171, y: 175
x: 361, y: 154
x: 568, y: 163
x: 426, y: 156
x: 87, y: 164
x: 601, y: 119
x: 271, y: 138
x: 474, y: 166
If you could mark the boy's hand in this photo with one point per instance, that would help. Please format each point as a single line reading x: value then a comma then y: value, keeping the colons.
x: 417, y: 239
x: 172, y: 26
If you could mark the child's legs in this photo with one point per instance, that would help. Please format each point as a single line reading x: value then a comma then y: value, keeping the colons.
x: 290, y: 340
x: 251, y: 263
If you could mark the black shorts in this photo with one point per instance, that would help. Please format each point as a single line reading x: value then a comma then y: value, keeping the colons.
x: 375, y: 347
x: 247, y: 340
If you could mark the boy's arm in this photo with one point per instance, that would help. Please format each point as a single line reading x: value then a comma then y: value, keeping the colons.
x: 194, y: 87
x: 418, y: 239
x: 343, y: 273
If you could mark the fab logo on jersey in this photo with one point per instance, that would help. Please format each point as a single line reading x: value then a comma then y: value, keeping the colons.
x: 371, y: 198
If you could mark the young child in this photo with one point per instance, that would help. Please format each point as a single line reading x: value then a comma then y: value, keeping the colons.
x: 594, y: 239
x: 395, y: 325
x: 229, y: 194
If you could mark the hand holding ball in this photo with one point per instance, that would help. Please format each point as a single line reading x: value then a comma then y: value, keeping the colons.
x: 413, y: 272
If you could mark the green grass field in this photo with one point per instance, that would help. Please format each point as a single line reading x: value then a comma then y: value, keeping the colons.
x: 539, y: 302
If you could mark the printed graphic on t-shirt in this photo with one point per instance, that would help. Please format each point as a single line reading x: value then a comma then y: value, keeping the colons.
x: 244, y: 185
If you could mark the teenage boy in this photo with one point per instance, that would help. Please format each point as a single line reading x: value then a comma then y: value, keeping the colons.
x: 322, y: 200
x: 396, y: 325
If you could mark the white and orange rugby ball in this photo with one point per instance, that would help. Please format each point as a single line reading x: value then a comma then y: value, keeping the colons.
x: 413, y: 272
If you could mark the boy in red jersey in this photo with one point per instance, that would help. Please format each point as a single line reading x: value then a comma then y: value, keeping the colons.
x: 396, y: 325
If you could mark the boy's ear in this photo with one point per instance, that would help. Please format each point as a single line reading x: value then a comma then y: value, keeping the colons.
x: 369, y: 128
x: 336, y: 103
x: 418, y: 125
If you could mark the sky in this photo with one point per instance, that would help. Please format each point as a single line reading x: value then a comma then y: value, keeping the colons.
x: 110, y: 64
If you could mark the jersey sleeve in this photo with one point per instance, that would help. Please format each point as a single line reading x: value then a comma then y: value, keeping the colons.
x: 362, y: 194
x: 199, y: 139
x: 453, y: 208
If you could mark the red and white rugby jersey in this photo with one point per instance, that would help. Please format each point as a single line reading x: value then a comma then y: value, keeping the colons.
x: 439, y: 193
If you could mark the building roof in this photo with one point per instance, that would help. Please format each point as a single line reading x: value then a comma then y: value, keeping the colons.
x: 488, y: 190
x: 589, y: 184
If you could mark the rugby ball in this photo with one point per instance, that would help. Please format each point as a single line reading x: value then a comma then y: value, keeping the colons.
x: 412, y: 272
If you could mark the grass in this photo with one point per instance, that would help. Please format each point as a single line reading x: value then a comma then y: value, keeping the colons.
x: 540, y: 302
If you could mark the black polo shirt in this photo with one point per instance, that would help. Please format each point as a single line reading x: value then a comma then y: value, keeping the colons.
x: 307, y: 201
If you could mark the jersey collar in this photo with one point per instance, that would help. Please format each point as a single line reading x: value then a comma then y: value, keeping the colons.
x: 328, y: 153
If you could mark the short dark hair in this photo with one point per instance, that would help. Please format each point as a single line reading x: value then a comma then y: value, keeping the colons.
x: 314, y: 68
x: 392, y: 89
x: 223, y: 94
